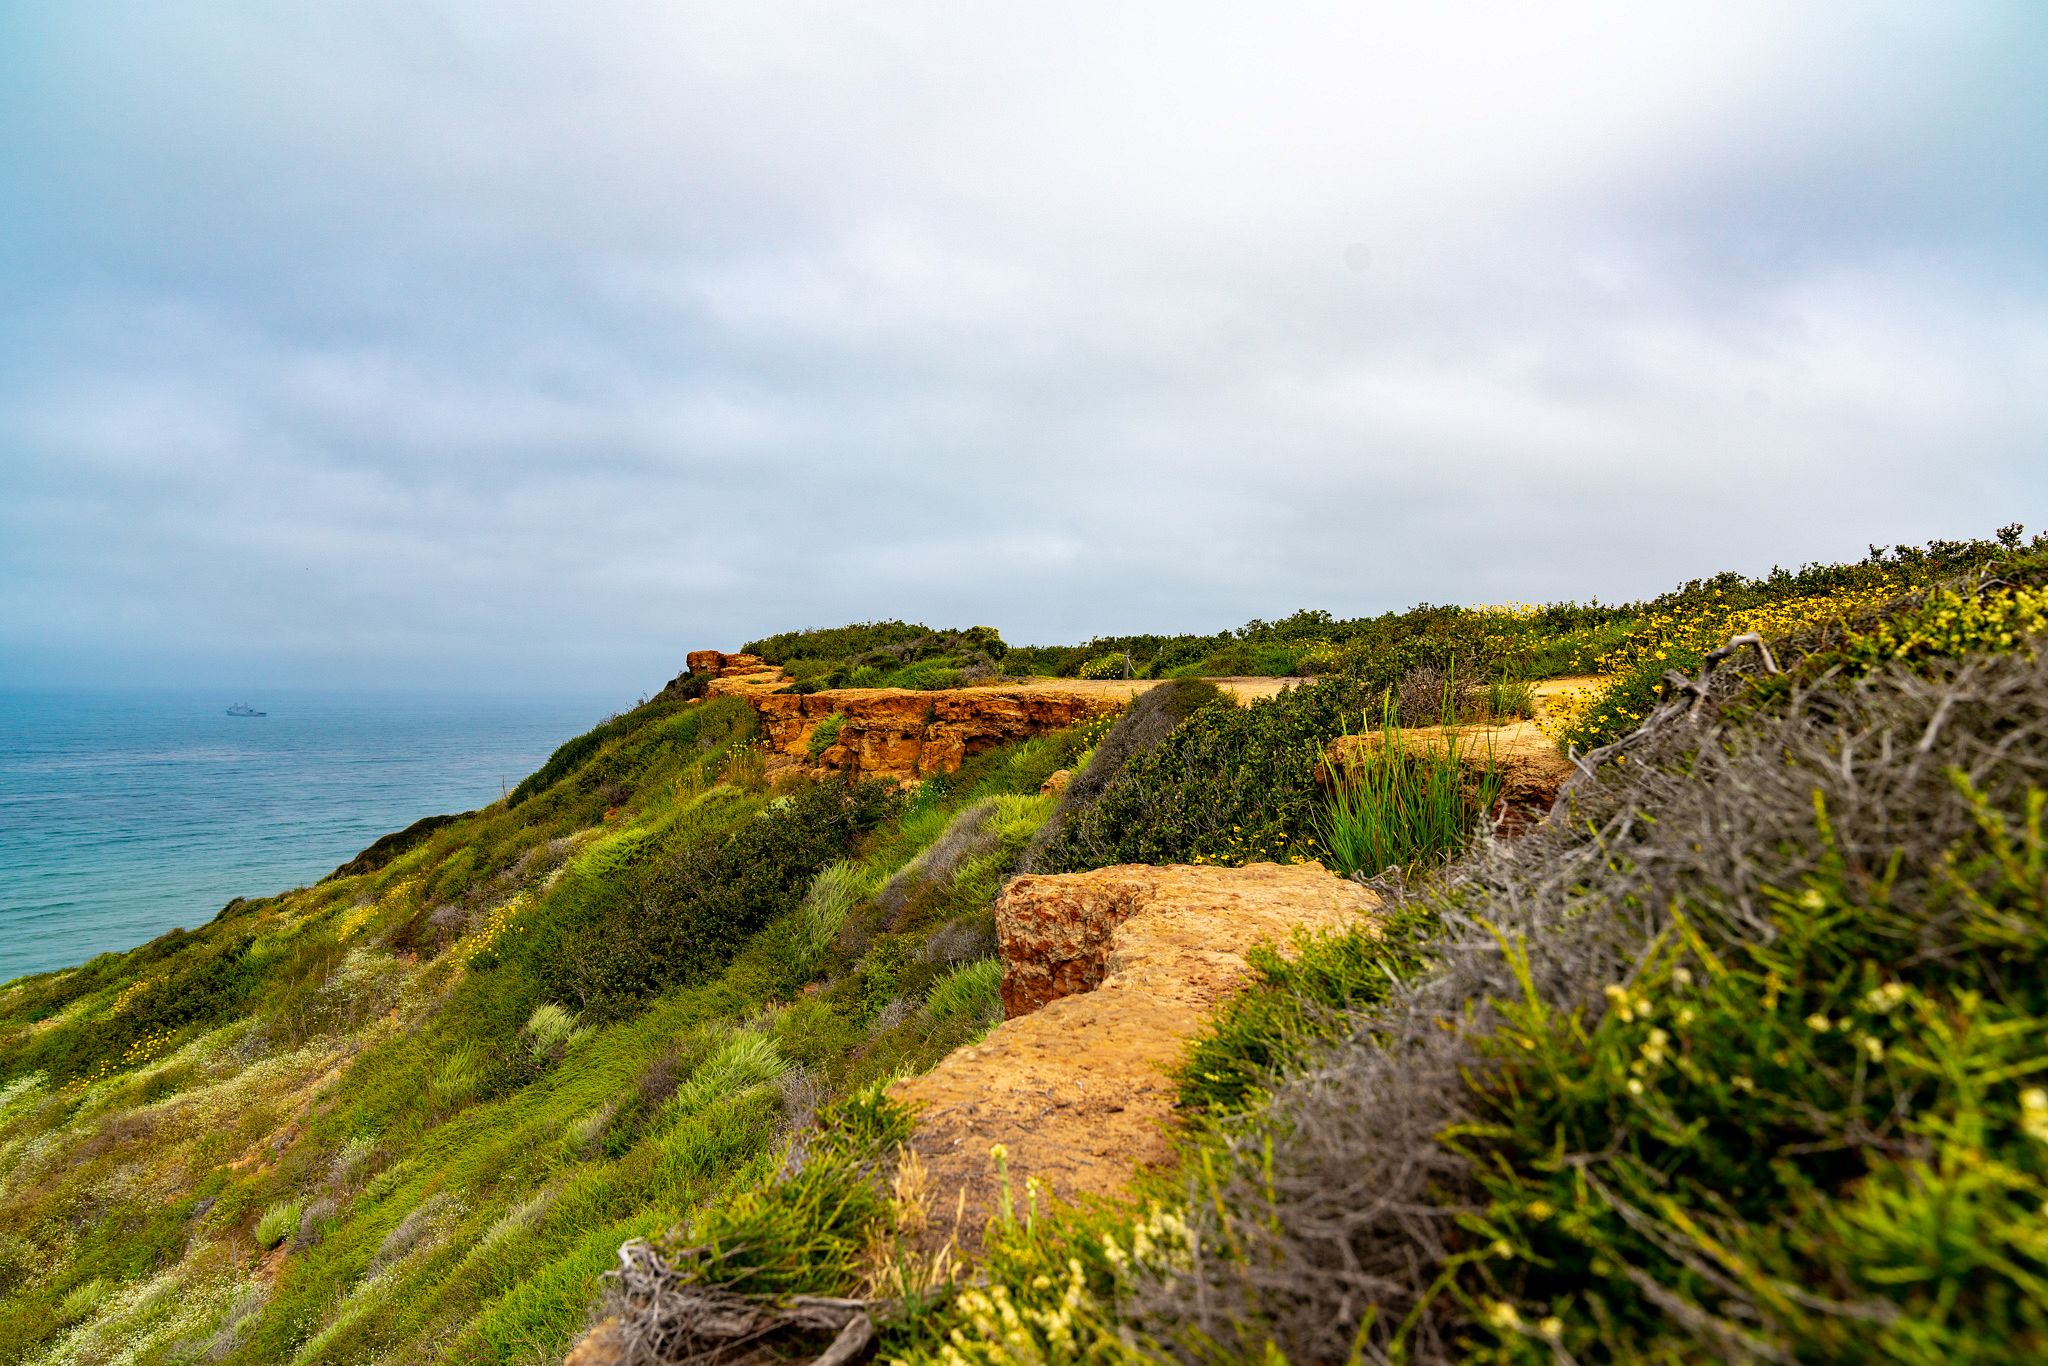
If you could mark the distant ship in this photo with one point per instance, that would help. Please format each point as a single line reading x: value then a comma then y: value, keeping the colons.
x: 244, y: 709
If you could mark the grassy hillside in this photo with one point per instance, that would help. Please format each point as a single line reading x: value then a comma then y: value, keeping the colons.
x: 411, y: 1113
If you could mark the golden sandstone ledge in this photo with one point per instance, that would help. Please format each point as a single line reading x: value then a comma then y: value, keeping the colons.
x: 1107, y: 977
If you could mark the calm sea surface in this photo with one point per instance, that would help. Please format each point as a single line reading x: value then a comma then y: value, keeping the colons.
x: 123, y: 815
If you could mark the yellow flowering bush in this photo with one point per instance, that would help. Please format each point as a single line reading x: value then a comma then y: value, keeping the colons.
x: 1052, y: 1291
x: 496, y: 923
x: 1948, y: 624
x: 129, y: 993
x: 1679, y: 636
x: 144, y: 1048
x: 1259, y: 846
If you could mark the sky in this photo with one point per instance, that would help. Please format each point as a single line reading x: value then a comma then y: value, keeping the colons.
x: 524, y: 347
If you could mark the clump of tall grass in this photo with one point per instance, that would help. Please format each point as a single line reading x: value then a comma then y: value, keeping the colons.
x: 832, y: 896
x: 1399, y: 804
x: 459, y: 1078
x: 1507, y: 699
x: 745, y: 1060
x: 551, y: 1031
x: 279, y: 1220
x: 970, y: 996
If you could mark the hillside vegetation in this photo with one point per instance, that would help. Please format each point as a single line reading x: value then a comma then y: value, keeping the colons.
x: 1740, y: 1055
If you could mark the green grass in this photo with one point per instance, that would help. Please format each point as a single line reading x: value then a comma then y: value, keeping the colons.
x: 969, y: 997
x: 1506, y: 699
x: 1397, y: 803
x: 1296, y: 1005
x: 277, y: 1223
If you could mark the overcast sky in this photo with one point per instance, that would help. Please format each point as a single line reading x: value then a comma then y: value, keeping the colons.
x: 528, y: 346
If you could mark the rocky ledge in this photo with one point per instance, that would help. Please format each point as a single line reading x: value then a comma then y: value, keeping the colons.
x: 1106, y: 977
x: 891, y: 732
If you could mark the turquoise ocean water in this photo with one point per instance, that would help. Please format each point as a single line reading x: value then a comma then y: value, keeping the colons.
x: 125, y: 814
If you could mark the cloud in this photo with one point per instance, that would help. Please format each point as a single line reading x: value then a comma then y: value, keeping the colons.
x: 509, y: 345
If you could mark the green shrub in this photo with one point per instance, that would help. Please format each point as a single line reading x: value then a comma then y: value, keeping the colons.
x: 685, y: 911
x: 889, y: 639
x: 1506, y: 699
x: 1227, y: 785
x: 1106, y: 666
x: 1143, y: 726
x: 926, y: 676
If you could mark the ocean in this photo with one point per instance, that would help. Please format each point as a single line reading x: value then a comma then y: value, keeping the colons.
x: 123, y: 815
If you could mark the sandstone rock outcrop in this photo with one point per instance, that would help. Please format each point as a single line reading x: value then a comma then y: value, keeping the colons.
x: 718, y: 664
x: 909, y: 735
x: 898, y: 733
x: 1106, y: 977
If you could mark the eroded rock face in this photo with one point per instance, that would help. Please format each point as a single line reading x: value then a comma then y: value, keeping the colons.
x: 910, y: 735
x: 1106, y: 977
x: 897, y: 733
x: 719, y: 664
x: 894, y: 733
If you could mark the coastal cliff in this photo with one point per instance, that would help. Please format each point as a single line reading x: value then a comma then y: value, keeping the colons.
x: 1120, y: 1014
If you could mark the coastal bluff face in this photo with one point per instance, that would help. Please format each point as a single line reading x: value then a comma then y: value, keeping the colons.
x: 1107, y: 976
x: 893, y: 732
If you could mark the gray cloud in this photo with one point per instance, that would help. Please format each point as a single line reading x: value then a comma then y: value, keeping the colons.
x: 514, y: 345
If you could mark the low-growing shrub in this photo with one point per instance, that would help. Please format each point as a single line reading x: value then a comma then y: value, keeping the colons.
x: 1226, y: 785
x: 687, y: 910
x: 1142, y: 728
